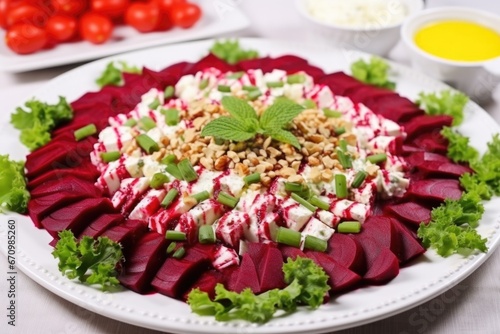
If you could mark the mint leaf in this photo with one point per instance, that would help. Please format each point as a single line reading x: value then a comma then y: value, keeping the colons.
x: 284, y: 137
x: 228, y: 128
x: 238, y: 108
x: 280, y: 113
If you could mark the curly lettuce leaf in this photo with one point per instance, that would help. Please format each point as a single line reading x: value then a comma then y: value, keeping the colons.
x: 231, y: 51
x: 459, y: 149
x: 90, y: 261
x: 446, y: 102
x: 13, y: 193
x: 38, y: 120
x: 307, y: 284
x: 374, y: 72
x: 113, y: 74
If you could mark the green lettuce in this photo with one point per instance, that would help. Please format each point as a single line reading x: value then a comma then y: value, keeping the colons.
x: 113, y: 74
x: 231, y: 51
x: 459, y: 149
x: 13, y: 193
x: 374, y: 72
x: 446, y: 102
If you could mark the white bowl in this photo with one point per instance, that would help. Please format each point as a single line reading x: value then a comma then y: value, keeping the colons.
x: 477, y: 79
x: 378, y: 40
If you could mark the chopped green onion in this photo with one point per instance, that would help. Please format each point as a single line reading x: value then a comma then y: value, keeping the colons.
x: 84, y: 132
x: 358, y: 179
x: 147, y: 123
x: 303, y: 202
x: 175, y: 235
x: 173, y: 170
x: 314, y: 243
x: 224, y: 88
x: 340, y: 130
x: 206, y: 234
x: 340, y: 186
x: 288, y: 237
x: 201, y: 196
x: 236, y: 75
x: 275, y: 84
x: 147, y: 144
x: 252, y: 178
x: 187, y: 170
x: 295, y: 187
x: 343, y: 145
x: 171, y: 247
x: 319, y: 203
x: 250, y: 88
x: 349, y: 227
x: 296, y: 79
x: 171, y: 158
x: 169, y: 92
x: 377, y: 158
x: 155, y: 104
x: 253, y: 95
x: 171, y: 116
x: 169, y: 198
x: 203, y: 84
x: 130, y: 122
x: 226, y: 199
x: 344, y: 159
x: 179, y: 254
x: 309, y: 104
x: 110, y: 156
x: 158, y: 180
x: 332, y: 113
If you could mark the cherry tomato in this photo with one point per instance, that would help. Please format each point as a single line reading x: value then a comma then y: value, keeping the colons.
x: 166, y: 5
x: 26, y: 14
x: 24, y: 38
x: 185, y: 15
x: 96, y: 28
x: 61, y: 27
x: 143, y: 16
x: 70, y: 7
x: 111, y: 8
x: 164, y: 23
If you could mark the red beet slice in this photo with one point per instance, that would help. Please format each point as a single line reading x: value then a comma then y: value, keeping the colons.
x: 411, y: 212
x: 143, y: 262
x: 394, y: 107
x: 438, y: 168
x: 417, y: 158
x: 270, y: 270
x: 340, y: 278
x: 176, y: 276
x: 101, y: 224
x: 76, y: 216
x: 89, y: 99
x: 359, y: 94
x: 211, y: 61
x: 289, y: 252
x: 435, y: 190
x: 383, y: 231
x: 206, y: 283
x: 69, y: 184
x: 339, y: 82
x: 432, y: 142
x: 347, y: 252
x: 421, y: 124
x: 126, y: 234
x: 86, y: 172
x: 245, y: 276
x: 384, y: 268
x: 411, y: 247
x: 246, y: 65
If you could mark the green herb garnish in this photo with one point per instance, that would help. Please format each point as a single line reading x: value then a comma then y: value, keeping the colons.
x: 113, y: 74
x: 13, y: 193
x: 232, y: 52
x: 373, y: 72
x: 446, y: 102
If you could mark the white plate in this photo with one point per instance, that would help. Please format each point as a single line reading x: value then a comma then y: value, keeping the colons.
x: 219, y: 17
x: 426, y: 278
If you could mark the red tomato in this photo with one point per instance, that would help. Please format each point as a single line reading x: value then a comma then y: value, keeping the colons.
x: 111, y: 8
x: 26, y: 14
x: 70, y: 7
x: 25, y: 38
x: 96, y: 28
x: 185, y: 15
x: 143, y: 16
x: 61, y: 27
x: 166, y: 5
x: 164, y: 23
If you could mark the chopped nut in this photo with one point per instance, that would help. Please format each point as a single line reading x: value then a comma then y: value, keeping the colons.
x: 273, y: 153
x: 328, y: 162
x: 286, y: 172
x: 315, y: 175
x: 327, y: 175
x: 267, y: 142
x: 296, y: 178
x: 233, y: 156
x: 296, y: 165
x: 316, y: 138
x: 241, y: 169
x: 208, y: 163
x: 313, y: 161
x: 221, y: 163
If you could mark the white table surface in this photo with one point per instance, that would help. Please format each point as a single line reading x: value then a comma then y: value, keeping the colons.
x: 473, y: 306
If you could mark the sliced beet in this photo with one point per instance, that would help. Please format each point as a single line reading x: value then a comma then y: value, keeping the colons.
x: 211, y: 60
x: 89, y: 99
x: 176, y: 70
x: 245, y: 276
x: 394, y: 107
x: 431, y: 141
x: 411, y: 247
x: 69, y: 184
x: 425, y: 123
x: 270, y: 270
x: 289, y: 252
x: 417, y: 158
x: 249, y: 64
x: 86, y: 172
x: 126, y: 233
x: 176, y: 276
x: 347, y: 252
x: 438, y: 168
x: 340, y: 278
x: 206, y: 283
x: 383, y: 230
x: 409, y: 149
x: 384, y: 268
x: 101, y: 224
x: 435, y: 190
x: 143, y: 262
x: 339, y: 82
x: 411, y: 212
x: 76, y: 216
x: 359, y: 94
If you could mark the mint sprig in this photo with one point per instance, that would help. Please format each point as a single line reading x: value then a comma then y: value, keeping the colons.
x: 245, y: 124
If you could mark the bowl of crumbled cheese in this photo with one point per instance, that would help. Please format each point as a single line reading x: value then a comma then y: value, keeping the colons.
x: 367, y: 25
